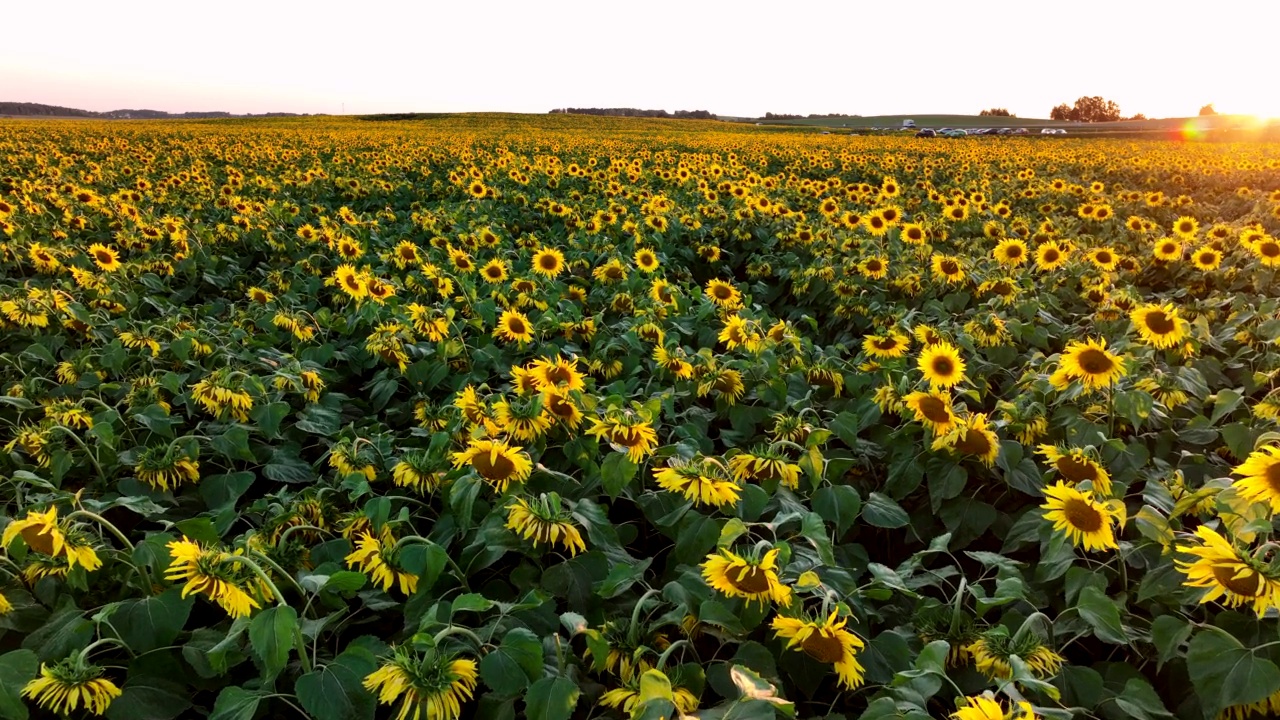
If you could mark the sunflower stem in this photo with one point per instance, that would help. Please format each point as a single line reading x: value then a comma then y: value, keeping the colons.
x: 89, y: 454
x: 285, y: 535
x: 104, y: 523
x: 662, y: 659
x: 458, y: 630
x: 462, y: 577
x: 633, y: 631
x: 83, y: 656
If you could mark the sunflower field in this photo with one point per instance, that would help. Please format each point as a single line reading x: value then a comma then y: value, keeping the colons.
x: 583, y: 418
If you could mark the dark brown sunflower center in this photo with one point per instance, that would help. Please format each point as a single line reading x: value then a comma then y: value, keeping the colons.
x: 915, y: 234
x: 935, y: 410
x: 1013, y: 251
x: 950, y: 267
x: 751, y: 580
x: 943, y: 366
x: 560, y: 406
x: 823, y: 648
x: 1104, y: 258
x: 41, y: 543
x: 1273, y: 476
x: 1160, y: 323
x: 516, y: 326
x: 351, y: 282
x: 886, y: 344
x: 1095, y: 362
x: 722, y: 292
x: 407, y: 253
x: 1247, y: 583
x: 547, y: 262
x: 103, y: 256
x: 1076, y: 469
x: 1270, y: 249
x: 627, y: 437
x: 874, y: 265
x: 558, y: 375
x: 493, y: 466
x: 975, y: 442
x: 1082, y: 515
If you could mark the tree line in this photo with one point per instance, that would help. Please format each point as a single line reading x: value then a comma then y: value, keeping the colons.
x: 636, y: 112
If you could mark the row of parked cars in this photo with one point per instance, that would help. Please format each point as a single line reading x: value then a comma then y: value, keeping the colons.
x: 957, y: 132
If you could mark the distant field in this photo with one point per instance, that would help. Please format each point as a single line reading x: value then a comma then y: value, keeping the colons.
x: 1216, y: 122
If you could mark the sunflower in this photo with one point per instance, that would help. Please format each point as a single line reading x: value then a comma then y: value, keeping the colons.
x: 166, y: 467
x: 982, y: 707
x: 64, y: 686
x: 524, y: 418
x: 1207, y: 258
x: 1186, y: 227
x: 1103, y: 258
x: 646, y: 260
x: 1267, y: 251
x: 1160, y: 326
x: 433, y: 685
x: 1167, y: 250
x: 378, y: 558
x: 763, y: 463
x: 514, y: 326
x: 942, y: 365
x: 993, y: 650
x: 1228, y: 574
x: 726, y: 383
x: 825, y: 641
x: 702, y: 481
x: 1050, y: 256
x: 1090, y: 363
x: 628, y: 697
x: 912, y: 234
x: 544, y: 520
x: 972, y: 436
x: 1077, y: 467
x: 874, y: 268
x: 890, y: 345
x: 723, y: 294
x: 1260, y: 477
x: 564, y: 408
x: 418, y: 470
x: 1011, y: 252
x: 755, y: 580
x: 559, y: 374
x: 494, y: 271
x: 350, y: 282
x: 497, y: 462
x: 104, y: 257
x: 216, y: 575
x: 933, y: 410
x: 548, y: 262
x: 948, y: 267
x: 1086, y: 522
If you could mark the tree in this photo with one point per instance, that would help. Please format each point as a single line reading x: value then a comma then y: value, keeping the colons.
x: 1138, y: 116
x: 996, y: 112
x: 1208, y: 110
x: 1087, y: 109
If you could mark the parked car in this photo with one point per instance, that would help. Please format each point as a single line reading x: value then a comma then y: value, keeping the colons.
x: 1048, y: 131
x: 954, y: 133
x: 1020, y: 131
x: 926, y: 133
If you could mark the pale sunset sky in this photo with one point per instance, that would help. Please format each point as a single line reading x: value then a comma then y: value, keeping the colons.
x: 742, y: 58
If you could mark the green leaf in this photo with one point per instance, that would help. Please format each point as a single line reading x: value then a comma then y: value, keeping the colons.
x: 621, y: 577
x: 426, y: 560
x: 1168, y: 632
x: 471, y: 602
x: 881, y: 511
x: 846, y: 426
x: 1102, y: 614
x: 65, y: 631
x: 153, y: 622
x: 616, y: 472
x: 149, y: 698
x: 1225, y: 672
x: 336, y: 691
x: 271, y: 635
x: 551, y: 698
x: 17, y: 668
x: 1226, y: 401
x: 269, y: 417
x: 233, y: 444
x: 220, y: 491
x: 1139, y: 700
x: 838, y: 504
x: 510, y: 667
x: 235, y: 703
x: 198, y: 528
x: 345, y: 581
x: 813, y: 529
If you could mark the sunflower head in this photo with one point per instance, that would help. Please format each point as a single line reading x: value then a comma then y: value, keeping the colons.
x: 65, y: 686
x: 429, y: 684
x: 544, y: 520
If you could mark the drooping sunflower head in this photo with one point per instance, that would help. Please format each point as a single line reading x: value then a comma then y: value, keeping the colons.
x: 69, y: 684
x: 497, y: 462
x: 165, y: 467
x: 765, y: 463
x: 419, y: 470
x: 1228, y: 574
x: 213, y: 573
x: 524, y: 418
x: 825, y: 640
x: 751, y: 576
x: 429, y: 685
x: 545, y: 521
x: 972, y: 436
x: 933, y: 410
x: 984, y: 707
x: 378, y: 557
x: 889, y: 345
x: 993, y: 650
x: 702, y: 480
x: 1077, y: 466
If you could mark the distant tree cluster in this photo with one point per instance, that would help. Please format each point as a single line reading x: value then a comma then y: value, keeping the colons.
x: 1087, y: 109
x: 39, y: 110
x: 1208, y: 110
x: 996, y: 112
x: 635, y: 112
x: 782, y: 116
x: 24, y: 109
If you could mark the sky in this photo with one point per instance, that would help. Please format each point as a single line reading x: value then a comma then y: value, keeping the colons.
x: 742, y: 58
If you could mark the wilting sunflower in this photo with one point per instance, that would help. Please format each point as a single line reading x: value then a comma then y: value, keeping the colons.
x: 67, y: 685
x: 1090, y: 363
x: 627, y: 697
x: 746, y: 576
x: 1260, y: 477
x: 1229, y: 574
x: 1050, y: 256
x: 564, y: 408
x: 942, y: 365
x: 433, y: 686
x: 523, y: 418
x: 548, y: 262
x: 1085, y: 521
x: 497, y: 462
x: 981, y: 707
x: 44, y: 533
x: 1077, y: 467
x: 514, y: 326
x: 890, y: 345
x: 215, y: 575
x: 825, y: 641
x: 545, y: 521
x: 763, y: 463
x: 972, y: 436
x: 723, y: 294
x: 353, y: 457
x: 933, y: 410
x: 726, y: 383
x: 630, y: 432
x: 1159, y: 326
x: 418, y: 470
x: 104, y: 257
x: 703, y: 481
x: 377, y: 557
x: 993, y: 650
x: 166, y: 467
